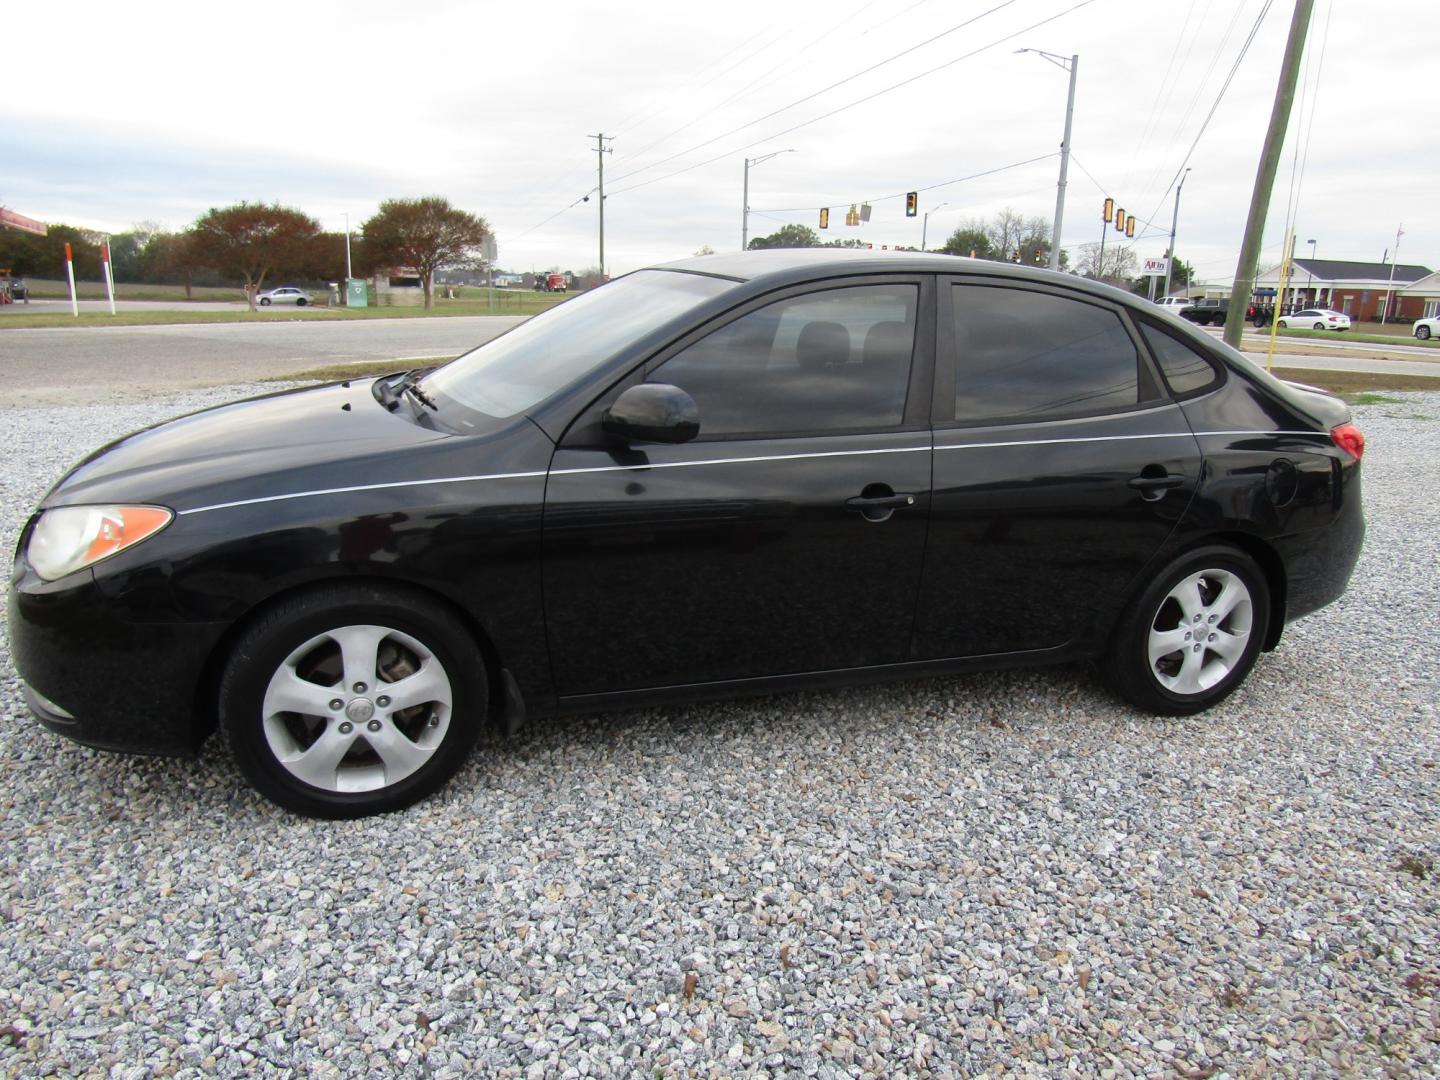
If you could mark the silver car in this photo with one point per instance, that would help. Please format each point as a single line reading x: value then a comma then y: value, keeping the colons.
x: 286, y: 294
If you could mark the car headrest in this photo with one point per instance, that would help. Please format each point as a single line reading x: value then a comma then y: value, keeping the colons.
x: 888, y: 345
x: 822, y: 343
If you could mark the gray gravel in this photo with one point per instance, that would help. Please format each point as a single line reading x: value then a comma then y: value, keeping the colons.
x: 998, y: 874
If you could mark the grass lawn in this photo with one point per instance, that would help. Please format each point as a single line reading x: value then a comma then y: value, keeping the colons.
x: 1359, y: 388
x: 521, y: 304
x: 95, y: 290
x: 1372, y: 338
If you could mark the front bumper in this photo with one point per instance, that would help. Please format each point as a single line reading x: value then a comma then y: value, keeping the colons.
x: 113, y: 673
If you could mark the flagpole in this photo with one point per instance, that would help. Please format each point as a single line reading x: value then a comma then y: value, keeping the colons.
x: 1393, y: 258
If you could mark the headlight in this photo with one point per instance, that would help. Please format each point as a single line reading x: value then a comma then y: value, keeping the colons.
x: 71, y: 538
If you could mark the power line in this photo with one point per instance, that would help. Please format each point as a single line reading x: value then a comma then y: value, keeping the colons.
x: 902, y: 194
x: 1254, y: 29
x: 859, y: 101
x: 818, y: 93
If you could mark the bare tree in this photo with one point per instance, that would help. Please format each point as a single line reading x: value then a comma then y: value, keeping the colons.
x: 1119, y: 263
x: 423, y: 235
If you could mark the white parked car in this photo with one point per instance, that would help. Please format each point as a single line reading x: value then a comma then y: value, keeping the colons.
x: 1425, y: 329
x: 1175, y: 304
x: 1316, y: 319
x: 286, y: 294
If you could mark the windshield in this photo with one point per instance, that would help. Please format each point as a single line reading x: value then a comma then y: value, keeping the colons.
x: 504, y: 377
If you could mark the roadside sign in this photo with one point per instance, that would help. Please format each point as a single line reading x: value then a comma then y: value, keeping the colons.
x: 1155, y: 267
x: 12, y: 220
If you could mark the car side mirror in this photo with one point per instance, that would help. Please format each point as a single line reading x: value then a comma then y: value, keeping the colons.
x: 653, y: 412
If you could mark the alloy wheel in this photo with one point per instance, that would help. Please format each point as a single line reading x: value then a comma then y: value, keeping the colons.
x: 1200, y: 631
x: 357, y: 709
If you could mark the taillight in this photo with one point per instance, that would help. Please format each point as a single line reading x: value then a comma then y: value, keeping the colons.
x: 1350, y: 439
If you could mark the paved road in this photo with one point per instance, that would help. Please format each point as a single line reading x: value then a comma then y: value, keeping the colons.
x: 48, y: 306
x: 109, y: 363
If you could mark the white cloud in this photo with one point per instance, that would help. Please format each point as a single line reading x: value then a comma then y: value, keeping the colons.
x: 160, y: 110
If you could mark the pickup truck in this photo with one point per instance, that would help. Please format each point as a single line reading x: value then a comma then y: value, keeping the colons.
x: 1211, y: 311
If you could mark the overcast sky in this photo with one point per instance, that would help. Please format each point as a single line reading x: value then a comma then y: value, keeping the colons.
x: 120, y: 113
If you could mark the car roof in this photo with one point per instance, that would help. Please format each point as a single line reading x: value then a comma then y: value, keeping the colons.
x: 782, y: 266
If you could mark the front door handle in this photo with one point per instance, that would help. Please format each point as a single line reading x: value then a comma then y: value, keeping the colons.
x: 877, y: 502
x: 1153, y: 482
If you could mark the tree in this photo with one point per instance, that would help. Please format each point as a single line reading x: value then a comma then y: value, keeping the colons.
x: 971, y: 238
x: 175, y: 257
x: 423, y: 235
x: 1119, y: 263
x: 251, y: 240
x: 787, y: 236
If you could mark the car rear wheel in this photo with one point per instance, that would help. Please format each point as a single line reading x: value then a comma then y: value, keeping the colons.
x: 1422, y: 332
x: 1192, y: 636
x: 301, y: 302
x: 353, y: 700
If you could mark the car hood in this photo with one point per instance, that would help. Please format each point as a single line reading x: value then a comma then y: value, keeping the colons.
x: 335, y: 435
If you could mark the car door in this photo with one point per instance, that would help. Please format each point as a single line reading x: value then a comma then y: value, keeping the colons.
x: 788, y: 536
x: 1061, y: 466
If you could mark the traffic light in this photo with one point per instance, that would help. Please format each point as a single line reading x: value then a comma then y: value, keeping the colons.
x: 912, y: 203
x: 1039, y: 256
x: 852, y: 216
x: 1109, y: 211
x: 824, y: 217
x: 1120, y: 219
x: 1130, y: 225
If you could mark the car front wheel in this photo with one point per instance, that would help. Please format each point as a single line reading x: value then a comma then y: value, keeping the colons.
x: 1192, y: 636
x: 1319, y: 326
x: 1284, y: 325
x: 353, y: 700
x: 265, y: 302
x: 1422, y: 332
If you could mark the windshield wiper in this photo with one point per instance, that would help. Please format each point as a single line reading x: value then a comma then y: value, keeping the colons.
x: 389, y: 391
x: 410, y: 384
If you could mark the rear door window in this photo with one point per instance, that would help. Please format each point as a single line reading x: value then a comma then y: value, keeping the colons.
x: 1024, y: 355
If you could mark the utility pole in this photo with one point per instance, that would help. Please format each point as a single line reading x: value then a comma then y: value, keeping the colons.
x: 1071, y: 65
x: 1265, y: 174
x: 1385, y: 306
x: 1174, y: 223
x: 600, y: 151
x: 348, y: 273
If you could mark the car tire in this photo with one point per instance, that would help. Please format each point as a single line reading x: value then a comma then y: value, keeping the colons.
x: 1319, y: 326
x: 1284, y: 325
x: 265, y: 302
x: 301, y: 302
x: 346, y: 748
x: 1216, y: 587
x: 1423, y: 333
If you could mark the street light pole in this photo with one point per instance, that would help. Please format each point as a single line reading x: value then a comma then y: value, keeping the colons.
x: 925, y: 224
x: 745, y: 197
x: 1310, y: 275
x: 1174, y: 224
x: 348, y: 273
x: 1071, y: 65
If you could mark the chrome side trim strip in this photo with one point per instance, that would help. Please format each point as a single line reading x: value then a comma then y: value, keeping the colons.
x: 538, y: 474
x: 742, y: 460
x: 362, y: 487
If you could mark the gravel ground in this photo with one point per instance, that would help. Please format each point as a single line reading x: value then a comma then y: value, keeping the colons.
x: 999, y: 874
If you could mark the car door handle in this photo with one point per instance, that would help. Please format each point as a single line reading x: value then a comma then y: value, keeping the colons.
x: 878, y: 506
x: 1154, y: 481
x: 881, y: 502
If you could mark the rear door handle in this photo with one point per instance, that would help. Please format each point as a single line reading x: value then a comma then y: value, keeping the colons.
x: 879, y: 507
x: 1154, y: 481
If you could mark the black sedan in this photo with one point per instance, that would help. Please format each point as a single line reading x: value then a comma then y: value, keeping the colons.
x: 727, y: 475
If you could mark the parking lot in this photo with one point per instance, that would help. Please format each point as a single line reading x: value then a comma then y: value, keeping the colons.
x: 1000, y: 874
